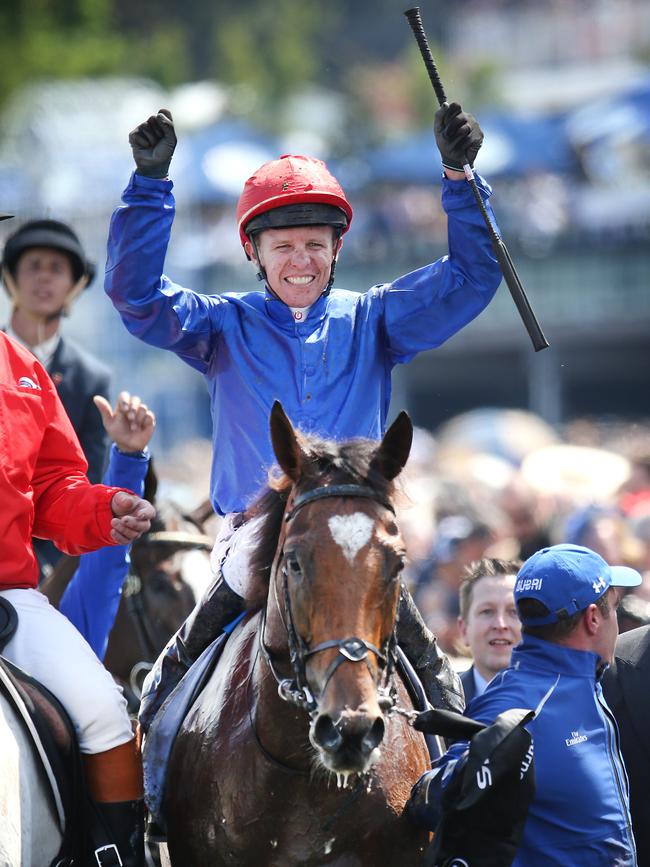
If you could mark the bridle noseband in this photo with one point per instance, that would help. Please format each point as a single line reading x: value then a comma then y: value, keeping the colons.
x: 353, y: 649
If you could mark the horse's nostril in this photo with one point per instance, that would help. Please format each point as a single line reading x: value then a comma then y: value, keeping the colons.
x: 325, y: 734
x: 374, y: 736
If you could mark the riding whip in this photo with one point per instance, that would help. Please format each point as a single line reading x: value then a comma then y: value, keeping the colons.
x: 500, y: 250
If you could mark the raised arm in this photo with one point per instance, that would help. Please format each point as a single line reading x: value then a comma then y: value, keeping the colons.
x: 153, y: 308
x: 426, y: 307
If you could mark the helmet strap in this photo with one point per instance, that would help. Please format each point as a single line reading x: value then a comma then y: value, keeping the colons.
x: 330, y: 282
x: 76, y: 290
x: 261, y: 272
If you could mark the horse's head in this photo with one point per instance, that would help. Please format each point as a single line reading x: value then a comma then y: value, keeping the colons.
x: 160, y: 560
x: 335, y: 579
x: 169, y: 568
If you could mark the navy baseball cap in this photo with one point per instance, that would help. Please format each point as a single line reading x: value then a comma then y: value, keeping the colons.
x: 567, y: 579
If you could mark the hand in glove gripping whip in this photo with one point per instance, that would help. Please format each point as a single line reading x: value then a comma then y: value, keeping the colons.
x: 484, y: 806
x: 458, y: 136
x: 153, y: 143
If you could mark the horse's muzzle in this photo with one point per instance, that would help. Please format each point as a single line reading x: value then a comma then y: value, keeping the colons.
x: 348, y: 745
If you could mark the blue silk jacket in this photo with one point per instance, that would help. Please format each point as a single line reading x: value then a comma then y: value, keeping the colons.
x: 332, y: 372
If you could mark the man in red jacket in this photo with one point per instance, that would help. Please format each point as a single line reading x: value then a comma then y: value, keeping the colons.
x: 45, y: 493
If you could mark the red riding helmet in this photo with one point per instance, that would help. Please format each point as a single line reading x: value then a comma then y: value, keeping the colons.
x: 292, y: 191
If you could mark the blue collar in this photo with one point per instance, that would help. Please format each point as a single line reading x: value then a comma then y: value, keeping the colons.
x: 281, y: 312
x: 537, y: 653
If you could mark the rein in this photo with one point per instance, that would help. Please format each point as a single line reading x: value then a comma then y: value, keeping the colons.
x: 353, y: 649
x: 134, y: 600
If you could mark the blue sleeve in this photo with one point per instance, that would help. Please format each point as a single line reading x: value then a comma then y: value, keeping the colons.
x: 427, y: 306
x: 153, y: 308
x: 92, y: 597
x: 425, y: 804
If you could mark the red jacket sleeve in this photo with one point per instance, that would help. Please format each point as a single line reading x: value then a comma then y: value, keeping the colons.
x: 43, y: 486
x: 70, y: 511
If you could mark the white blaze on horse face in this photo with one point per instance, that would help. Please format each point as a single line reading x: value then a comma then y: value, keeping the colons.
x: 351, y: 533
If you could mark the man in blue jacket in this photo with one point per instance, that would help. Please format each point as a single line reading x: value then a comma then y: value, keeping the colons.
x: 326, y: 353
x: 566, y: 597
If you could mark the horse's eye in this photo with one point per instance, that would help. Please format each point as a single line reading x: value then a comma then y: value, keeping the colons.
x: 159, y: 583
x: 293, y: 566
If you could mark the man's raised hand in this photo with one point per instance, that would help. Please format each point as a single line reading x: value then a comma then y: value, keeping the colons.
x: 130, y: 425
x: 153, y: 143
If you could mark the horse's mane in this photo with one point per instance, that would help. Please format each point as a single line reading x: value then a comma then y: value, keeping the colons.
x: 323, y: 462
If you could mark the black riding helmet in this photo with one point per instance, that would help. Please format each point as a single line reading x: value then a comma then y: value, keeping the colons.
x: 52, y: 234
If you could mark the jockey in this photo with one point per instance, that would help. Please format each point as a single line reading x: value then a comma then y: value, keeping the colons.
x: 45, y: 493
x: 326, y: 353
x: 44, y: 269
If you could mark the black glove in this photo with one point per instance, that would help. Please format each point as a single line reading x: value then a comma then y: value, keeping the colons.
x: 153, y: 143
x: 458, y: 136
x: 485, y: 804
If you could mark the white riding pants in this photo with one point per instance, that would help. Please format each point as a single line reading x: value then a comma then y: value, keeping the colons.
x: 49, y: 648
x: 232, y: 551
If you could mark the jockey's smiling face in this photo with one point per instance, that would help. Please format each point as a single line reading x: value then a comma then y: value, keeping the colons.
x: 44, y: 278
x: 297, y: 261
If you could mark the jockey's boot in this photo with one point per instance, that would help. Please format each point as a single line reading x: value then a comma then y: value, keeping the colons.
x: 116, y: 814
x: 218, y: 607
x: 441, y: 683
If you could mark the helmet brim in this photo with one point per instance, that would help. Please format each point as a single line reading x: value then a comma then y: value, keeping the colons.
x: 300, y: 214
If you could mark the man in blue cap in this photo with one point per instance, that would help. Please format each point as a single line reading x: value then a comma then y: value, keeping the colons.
x: 566, y: 597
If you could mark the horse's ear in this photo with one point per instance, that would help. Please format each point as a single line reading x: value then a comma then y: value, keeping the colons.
x: 391, y: 456
x: 150, y: 483
x: 285, y: 442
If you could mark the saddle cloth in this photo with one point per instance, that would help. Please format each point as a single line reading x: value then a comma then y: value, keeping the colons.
x: 164, y: 727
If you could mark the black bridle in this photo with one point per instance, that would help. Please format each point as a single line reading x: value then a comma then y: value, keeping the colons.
x: 353, y: 649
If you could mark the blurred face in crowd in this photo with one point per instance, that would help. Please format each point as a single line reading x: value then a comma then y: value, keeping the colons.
x: 43, y: 279
x: 297, y: 261
x: 492, y: 627
x: 604, y: 536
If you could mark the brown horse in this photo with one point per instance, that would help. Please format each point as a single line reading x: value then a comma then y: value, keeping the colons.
x: 156, y: 597
x: 160, y: 590
x: 295, y: 753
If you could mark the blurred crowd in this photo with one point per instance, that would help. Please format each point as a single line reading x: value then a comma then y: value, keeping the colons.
x: 502, y: 484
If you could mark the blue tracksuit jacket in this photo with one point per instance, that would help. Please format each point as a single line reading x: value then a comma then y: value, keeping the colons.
x: 580, y: 814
